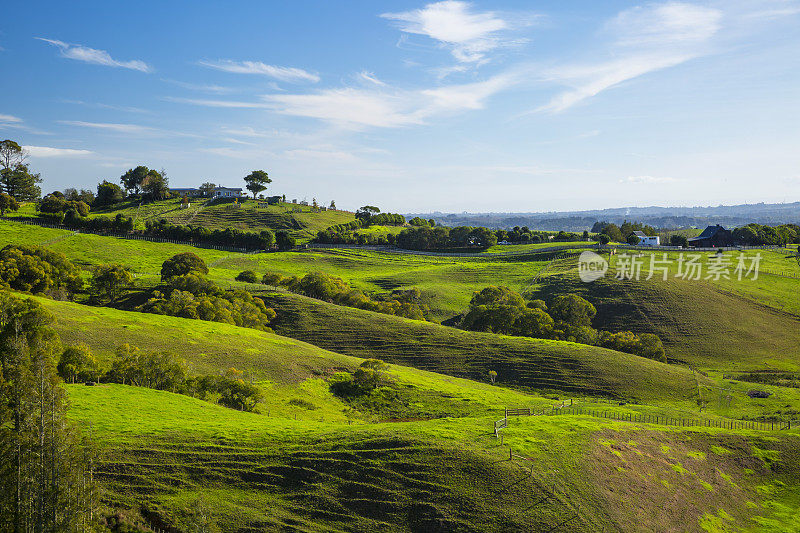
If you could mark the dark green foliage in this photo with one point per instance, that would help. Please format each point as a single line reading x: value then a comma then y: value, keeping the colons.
x: 284, y: 240
x: 18, y: 181
x: 78, y: 364
x: 757, y: 234
x: 181, y: 264
x: 335, y: 290
x: 573, y: 310
x: 155, y: 186
x: 56, y: 206
x: 164, y: 371
x: 417, y: 221
x: 134, y: 178
x: 108, y: 194
x: 502, y: 310
x: 633, y: 239
x: 108, y: 281
x: 257, y: 181
x: 247, y: 276
x: 200, y: 234
x: 38, y: 270
x: 363, y: 381
x: 161, y: 371
x: 44, y: 484
x: 232, y: 307
x: 679, y: 240
x: 7, y: 202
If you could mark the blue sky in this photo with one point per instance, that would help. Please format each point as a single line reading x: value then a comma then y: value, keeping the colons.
x: 414, y: 106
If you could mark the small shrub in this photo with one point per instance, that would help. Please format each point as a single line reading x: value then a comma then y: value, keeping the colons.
x: 247, y: 276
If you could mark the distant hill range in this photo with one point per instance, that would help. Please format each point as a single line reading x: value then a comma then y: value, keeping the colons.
x: 659, y: 217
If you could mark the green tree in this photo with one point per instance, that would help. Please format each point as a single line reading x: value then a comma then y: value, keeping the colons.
x: 257, y: 181
x: 38, y: 270
x: 109, y: 280
x: 156, y: 186
x: 247, y: 276
x: 183, y: 263
x: 7, y: 202
x: 633, y: 239
x: 21, y: 183
x: 207, y: 189
x: 134, y: 178
x: 365, y: 213
x: 284, y: 240
x: 44, y: 482
x: 78, y: 363
x: 678, y: 240
x: 572, y: 310
x: 108, y: 193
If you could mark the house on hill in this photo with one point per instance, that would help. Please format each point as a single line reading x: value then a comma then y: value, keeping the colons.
x: 647, y: 240
x: 712, y: 237
x: 217, y: 192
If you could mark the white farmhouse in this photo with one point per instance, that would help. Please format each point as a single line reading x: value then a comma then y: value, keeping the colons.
x: 227, y: 192
x: 646, y: 240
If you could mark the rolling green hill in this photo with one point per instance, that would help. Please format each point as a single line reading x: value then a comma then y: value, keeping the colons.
x: 168, y: 458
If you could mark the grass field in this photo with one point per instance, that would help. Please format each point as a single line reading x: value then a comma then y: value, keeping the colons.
x: 309, y: 461
x: 173, y: 454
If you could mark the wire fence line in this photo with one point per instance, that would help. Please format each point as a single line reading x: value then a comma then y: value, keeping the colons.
x: 572, y: 409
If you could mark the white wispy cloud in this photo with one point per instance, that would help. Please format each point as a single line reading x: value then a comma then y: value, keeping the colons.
x: 95, y: 56
x: 201, y: 87
x: 386, y: 107
x: 205, y: 102
x: 288, y: 74
x: 48, y: 151
x: 114, y: 107
x: 644, y: 39
x: 13, y: 122
x: 127, y: 129
x: 369, y: 77
x: 648, y: 179
x: 469, y: 35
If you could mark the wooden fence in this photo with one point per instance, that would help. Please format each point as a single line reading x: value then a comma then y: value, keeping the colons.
x: 571, y: 409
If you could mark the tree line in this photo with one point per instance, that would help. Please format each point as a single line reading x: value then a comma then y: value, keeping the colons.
x: 405, y: 303
x: 45, y: 460
x: 498, y: 309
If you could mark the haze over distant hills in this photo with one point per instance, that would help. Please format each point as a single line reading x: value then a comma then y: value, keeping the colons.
x: 660, y: 217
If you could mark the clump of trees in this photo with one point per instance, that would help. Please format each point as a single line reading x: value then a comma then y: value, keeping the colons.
x: 38, y: 270
x: 149, y: 183
x: 621, y: 233
x: 16, y: 178
x: 498, y: 309
x: 45, y: 478
x: 7, y: 203
x: 56, y: 207
x: 367, y: 377
x: 758, y: 235
x: 187, y: 293
x: 108, y: 281
x: 405, y: 303
x: 440, y: 237
x: 160, y: 371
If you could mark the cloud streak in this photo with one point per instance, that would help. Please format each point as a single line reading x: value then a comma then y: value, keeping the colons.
x: 48, y: 151
x: 79, y: 52
x: 469, y: 35
x: 287, y: 74
x: 645, y: 39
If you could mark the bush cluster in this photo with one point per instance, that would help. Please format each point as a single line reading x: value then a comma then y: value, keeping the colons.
x: 498, y: 309
x: 760, y: 235
x: 405, y: 303
x: 161, y: 371
x: 38, y: 270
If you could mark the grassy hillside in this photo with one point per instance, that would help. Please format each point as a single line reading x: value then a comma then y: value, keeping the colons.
x: 301, y: 221
x: 167, y: 457
x: 712, y: 325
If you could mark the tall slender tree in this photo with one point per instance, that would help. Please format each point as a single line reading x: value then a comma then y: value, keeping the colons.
x: 43, y: 475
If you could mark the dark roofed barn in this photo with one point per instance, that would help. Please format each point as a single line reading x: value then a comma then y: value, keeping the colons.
x: 712, y: 237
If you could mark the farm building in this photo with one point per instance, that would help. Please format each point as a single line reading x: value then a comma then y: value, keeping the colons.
x: 218, y: 192
x: 712, y: 237
x: 647, y: 240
